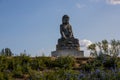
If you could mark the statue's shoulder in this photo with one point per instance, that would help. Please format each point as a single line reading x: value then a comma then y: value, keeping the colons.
x: 69, y: 25
x: 61, y: 25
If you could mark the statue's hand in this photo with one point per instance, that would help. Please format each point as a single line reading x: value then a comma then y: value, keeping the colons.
x: 64, y: 37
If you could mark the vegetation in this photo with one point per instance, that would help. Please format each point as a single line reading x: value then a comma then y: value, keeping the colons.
x: 104, y: 64
x: 24, y: 66
x: 6, y: 52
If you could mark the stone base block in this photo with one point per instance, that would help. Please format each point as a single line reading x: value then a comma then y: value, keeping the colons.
x: 68, y: 52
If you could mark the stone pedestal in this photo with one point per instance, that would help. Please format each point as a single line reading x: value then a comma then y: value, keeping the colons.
x: 71, y: 43
x: 68, y: 52
x: 68, y: 47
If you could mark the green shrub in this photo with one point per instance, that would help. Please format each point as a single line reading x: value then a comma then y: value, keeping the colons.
x: 1, y: 76
x: 65, y: 62
x: 17, y: 74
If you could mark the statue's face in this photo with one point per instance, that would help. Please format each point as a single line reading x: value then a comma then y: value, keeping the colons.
x: 65, y: 20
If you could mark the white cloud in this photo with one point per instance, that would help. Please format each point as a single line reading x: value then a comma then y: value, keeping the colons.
x: 113, y: 2
x: 85, y: 43
x: 78, y: 5
x: 83, y: 46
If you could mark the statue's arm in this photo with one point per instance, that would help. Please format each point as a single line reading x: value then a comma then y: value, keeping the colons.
x: 61, y: 32
x: 71, y: 31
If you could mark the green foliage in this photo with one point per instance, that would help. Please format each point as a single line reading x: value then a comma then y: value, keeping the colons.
x: 104, y: 66
x: 1, y: 76
x: 118, y: 64
x: 111, y: 48
x: 38, y: 63
x: 19, y: 66
x: 6, y: 52
x: 17, y: 73
x: 45, y: 68
x: 106, y: 53
x: 65, y: 62
x: 6, y: 76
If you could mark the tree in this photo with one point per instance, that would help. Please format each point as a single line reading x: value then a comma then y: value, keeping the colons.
x: 115, y: 48
x: 6, y: 52
x: 105, y: 53
x: 93, y: 51
x: 2, y: 52
x: 111, y: 48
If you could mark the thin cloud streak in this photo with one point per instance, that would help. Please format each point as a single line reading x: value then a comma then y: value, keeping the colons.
x: 78, y: 5
x: 113, y: 2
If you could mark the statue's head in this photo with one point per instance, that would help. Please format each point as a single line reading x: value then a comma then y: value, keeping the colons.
x: 65, y: 19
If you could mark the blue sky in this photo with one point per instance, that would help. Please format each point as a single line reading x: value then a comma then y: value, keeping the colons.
x: 33, y: 25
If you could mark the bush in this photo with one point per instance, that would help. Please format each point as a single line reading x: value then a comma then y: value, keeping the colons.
x: 65, y: 62
x: 17, y: 74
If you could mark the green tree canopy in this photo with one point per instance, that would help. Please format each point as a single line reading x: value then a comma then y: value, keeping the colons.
x: 6, y: 52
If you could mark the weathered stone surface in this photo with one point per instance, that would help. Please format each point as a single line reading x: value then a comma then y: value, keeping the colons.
x: 68, y: 52
x: 65, y: 28
x: 67, y: 44
x: 67, y: 40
